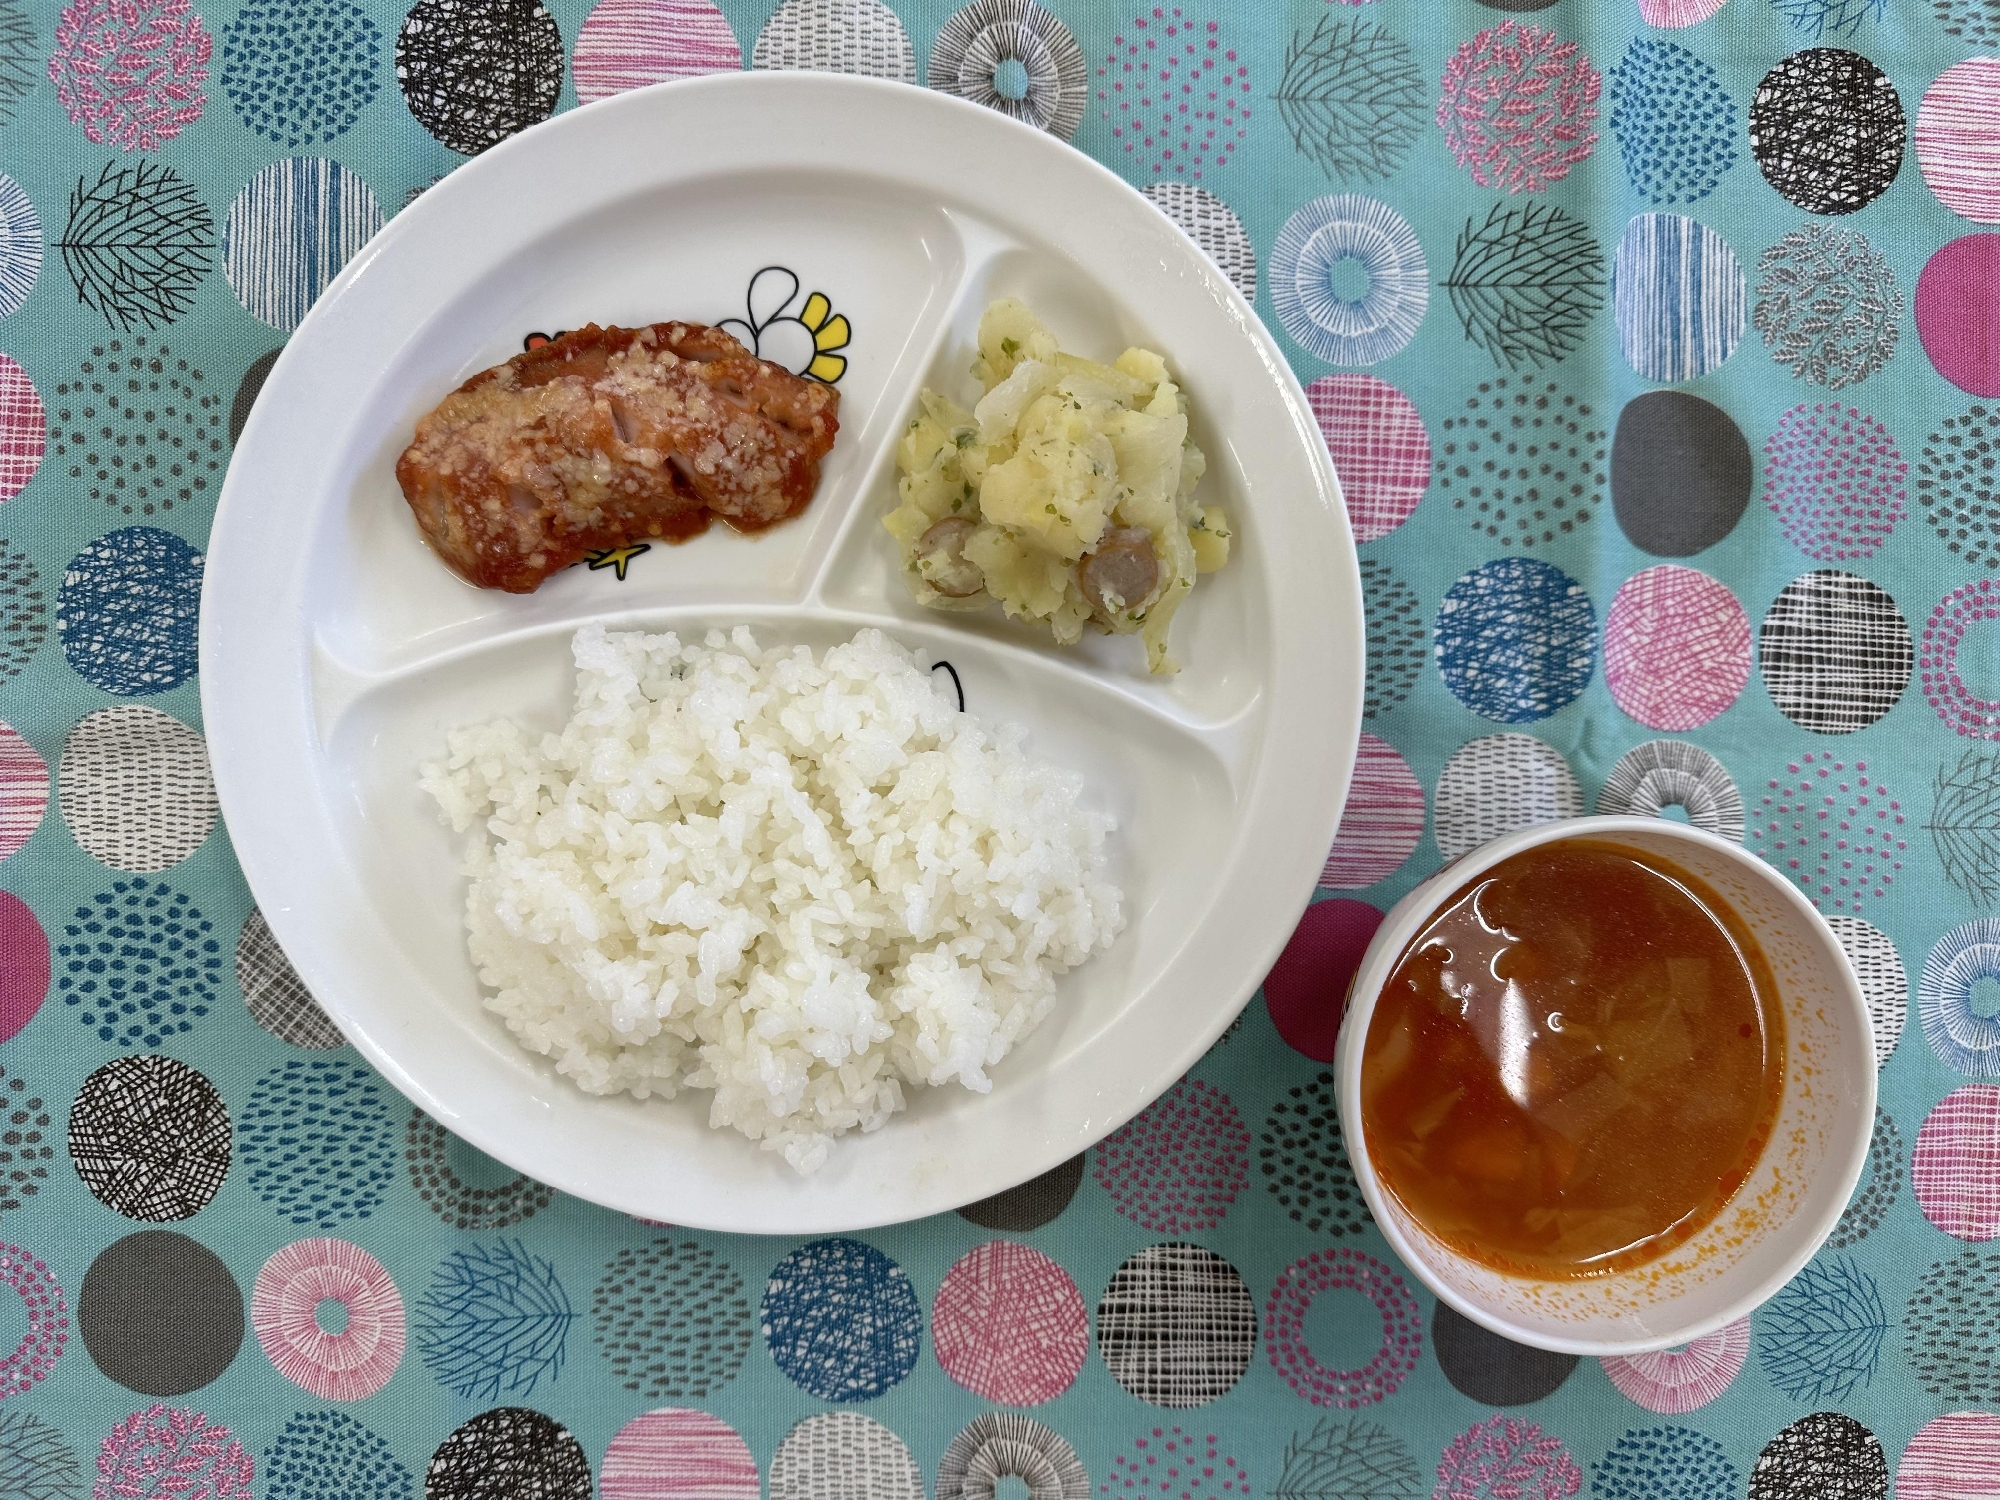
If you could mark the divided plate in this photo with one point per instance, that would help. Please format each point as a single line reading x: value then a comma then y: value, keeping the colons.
x: 336, y: 650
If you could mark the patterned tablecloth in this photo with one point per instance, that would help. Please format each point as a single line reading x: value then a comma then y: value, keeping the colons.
x: 1657, y: 342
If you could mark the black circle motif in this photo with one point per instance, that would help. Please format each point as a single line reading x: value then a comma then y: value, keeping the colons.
x: 25, y: 1151
x: 1681, y: 473
x: 140, y: 963
x: 1177, y: 1326
x: 1952, y: 1329
x: 509, y: 1452
x: 301, y: 72
x: 672, y: 1320
x: 246, y: 392
x: 1305, y: 1163
x: 1524, y: 461
x: 1881, y: 1185
x: 1398, y: 637
x: 1826, y: 1456
x: 435, y: 1155
x: 277, y: 998
x: 1828, y: 130
x: 160, y: 1314
x: 1007, y: 1445
x: 474, y: 72
x: 977, y: 44
x: 137, y: 429
x: 1038, y: 1201
x: 24, y: 611
x: 1835, y: 652
x: 1491, y: 1370
x: 327, y: 1455
x: 1958, y: 480
x: 150, y: 1138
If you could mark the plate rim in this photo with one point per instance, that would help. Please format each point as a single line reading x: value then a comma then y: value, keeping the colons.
x: 1338, y: 711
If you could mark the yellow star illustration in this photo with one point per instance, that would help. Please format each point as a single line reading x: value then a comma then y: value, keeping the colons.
x: 616, y: 557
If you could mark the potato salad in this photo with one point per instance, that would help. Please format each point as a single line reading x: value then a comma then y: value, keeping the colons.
x: 1066, y: 494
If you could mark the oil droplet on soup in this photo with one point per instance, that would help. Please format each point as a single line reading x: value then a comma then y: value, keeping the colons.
x: 1576, y: 1064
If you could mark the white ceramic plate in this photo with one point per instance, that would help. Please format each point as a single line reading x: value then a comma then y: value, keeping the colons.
x: 336, y: 649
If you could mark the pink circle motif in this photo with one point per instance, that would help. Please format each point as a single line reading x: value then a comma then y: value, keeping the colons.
x: 169, y: 1450
x: 1172, y: 1463
x: 627, y: 44
x: 1958, y: 312
x: 1667, y: 14
x: 24, y: 429
x: 1174, y: 93
x: 1677, y: 1381
x: 1299, y: 1284
x: 677, y: 1453
x: 1953, y: 1457
x: 1178, y: 1166
x: 130, y: 71
x: 1382, y: 822
x: 1956, y: 1166
x: 1676, y: 647
x: 48, y: 1321
x: 1009, y: 1325
x: 284, y: 1309
x: 1835, y: 479
x: 1965, y: 711
x: 1517, y: 107
x: 1836, y: 832
x: 1958, y: 138
x: 24, y: 965
x: 24, y: 790
x: 1503, y: 1456
x: 1306, y: 990
x: 1379, y: 447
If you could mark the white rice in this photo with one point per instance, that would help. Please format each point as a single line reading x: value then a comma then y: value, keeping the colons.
x: 802, y: 883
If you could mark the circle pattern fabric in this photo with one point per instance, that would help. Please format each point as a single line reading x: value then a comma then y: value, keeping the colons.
x: 1213, y: 225
x: 1342, y: 1270
x: 1835, y: 829
x: 1677, y: 1381
x: 1398, y: 641
x: 1676, y: 648
x: 1009, y: 1325
x: 1835, y: 479
x: 24, y: 791
x: 277, y: 998
x: 677, y: 1451
x: 23, y: 611
x: 1496, y: 785
x: 474, y: 72
x: 1958, y: 296
x: 627, y: 44
x: 1881, y: 1186
x: 1331, y: 236
x: 1516, y: 107
x: 1303, y: 1157
x: 1958, y: 481
x: 981, y: 47
x: 443, y: 1170
x: 137, y: 429
x: 1962, y: 610
x: 1525, y: 459
x: 136, y: 790
x: 1884, y: 982
x: 1516, y: 640
x: 842, y: 1320
x: 1827, y: 129
x: 1177, y: 1166
x: 151, y: 1138
x: 140, y: 963
x: 1964, y: 958
x: 1379, y: 449
x: 287, y: 1308
x: 837, y: 36
x: 1679, y: 296
x: 843, y: 1455
x: 1672, y: 773
x: 1958, y: 138
x: 1675, y: 122
x: 1007, y: 1445
x: 301, y: 74
x: 513, y: 1451
x: 327, y: 1455
x: 25, y: 1136
x: 1952, y: 1170
x: 1680, y: 473
x: 1176, y: 1326
x: 1381, y: 822
x: 318, y: 1141
x: 672, y: 1320
x: 127, y: 610
x: 1828, y: 305
x: 291, y: 230
x: 160, y: 1313
x: 1835, y: 652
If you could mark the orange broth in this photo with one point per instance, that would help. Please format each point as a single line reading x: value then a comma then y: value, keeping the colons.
x: 1576, y: 1064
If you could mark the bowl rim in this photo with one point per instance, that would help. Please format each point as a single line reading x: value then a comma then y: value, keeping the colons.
x: 1403, y: 921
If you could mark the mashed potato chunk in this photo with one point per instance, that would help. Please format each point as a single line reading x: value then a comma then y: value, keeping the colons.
x: 1066, y: 494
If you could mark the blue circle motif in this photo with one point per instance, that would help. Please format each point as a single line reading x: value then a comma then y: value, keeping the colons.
x: 301, y: 72
x: 842, y: 1320
x: 1516, y: 639
x: 127, y: 609
x: 1314, y: 244
x: 318, y: 1141
x: 20, y: 246
x: 1964, y: 956
x: 1675, y: 123
x: 1679, y: 296
x: 290, y: 230
x: 1650, y: 1462
x: 327, y: 1455
x: 140, y: 963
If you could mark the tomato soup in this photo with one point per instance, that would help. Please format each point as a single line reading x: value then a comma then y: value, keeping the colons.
x: 1575, y: 1064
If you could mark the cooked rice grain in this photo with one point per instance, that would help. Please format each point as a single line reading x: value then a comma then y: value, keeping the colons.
x: 802, y: 882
